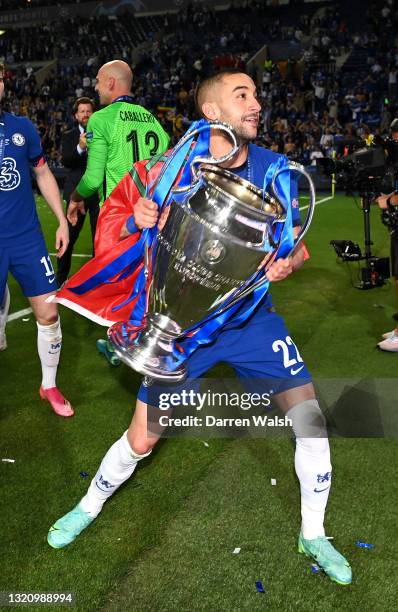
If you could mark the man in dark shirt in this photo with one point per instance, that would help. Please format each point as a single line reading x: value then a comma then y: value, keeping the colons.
x: 74, y: 157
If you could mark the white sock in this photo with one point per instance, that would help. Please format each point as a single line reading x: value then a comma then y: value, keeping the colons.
x: 313, y: 467
x: 4, y: 308
x: 49, y: 342
x: 116, y: 467
x: 314, y: 471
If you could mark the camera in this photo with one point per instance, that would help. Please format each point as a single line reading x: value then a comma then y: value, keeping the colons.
x: 371, y: 168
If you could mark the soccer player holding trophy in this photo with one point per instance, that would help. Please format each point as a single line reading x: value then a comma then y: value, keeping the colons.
x: 245, y: 332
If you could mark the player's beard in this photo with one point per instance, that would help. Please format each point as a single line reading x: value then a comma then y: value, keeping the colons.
x: 245, y: 133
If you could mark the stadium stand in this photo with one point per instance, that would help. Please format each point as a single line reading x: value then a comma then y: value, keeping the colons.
x: 326, y: 69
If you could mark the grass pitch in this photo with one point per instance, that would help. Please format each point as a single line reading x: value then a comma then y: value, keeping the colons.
x: 164, y: 542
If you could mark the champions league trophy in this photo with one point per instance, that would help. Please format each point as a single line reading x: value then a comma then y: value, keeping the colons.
x: 218, y: 232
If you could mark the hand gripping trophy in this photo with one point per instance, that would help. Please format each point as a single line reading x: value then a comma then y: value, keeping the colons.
x: 221, y: 234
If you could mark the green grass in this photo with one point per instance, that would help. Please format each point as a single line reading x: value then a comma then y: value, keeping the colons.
x: 165, y: 541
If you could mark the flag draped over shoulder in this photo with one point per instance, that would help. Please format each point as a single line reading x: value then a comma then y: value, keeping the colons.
x: 112, y: 286
x: 101, y: 287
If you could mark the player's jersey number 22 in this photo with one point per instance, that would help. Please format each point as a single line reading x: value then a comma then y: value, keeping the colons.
x: 291, y: 356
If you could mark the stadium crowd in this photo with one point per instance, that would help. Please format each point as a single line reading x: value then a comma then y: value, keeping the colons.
x: 319, y: 92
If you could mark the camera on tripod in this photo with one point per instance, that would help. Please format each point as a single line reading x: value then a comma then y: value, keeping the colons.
x: 371, y: 169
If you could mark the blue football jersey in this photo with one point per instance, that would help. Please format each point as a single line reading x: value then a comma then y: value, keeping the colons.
x: 260, y: 160
x: 18, y: 216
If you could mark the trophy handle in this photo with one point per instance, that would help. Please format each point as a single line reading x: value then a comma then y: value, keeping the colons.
x: 213, y: 125
x: 297, y: 168
x: 311, y: 207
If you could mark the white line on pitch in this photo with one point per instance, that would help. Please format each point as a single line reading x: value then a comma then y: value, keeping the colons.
x: 74, y: 255
x: 18, y: 314
x: 317, y: 202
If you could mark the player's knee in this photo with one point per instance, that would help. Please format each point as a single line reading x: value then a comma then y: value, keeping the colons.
x: 50, y: 327
x: 308, y: 421
x: 140, y: 443
x: 142, y: 446
x: 47, y: 319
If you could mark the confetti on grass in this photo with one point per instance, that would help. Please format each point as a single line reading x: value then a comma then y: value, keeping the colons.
x: 25, y: 320
x: 236, y: 551
x: 273, y: 481
x: 364, y: 544
x: 315, y: 569
x: 8, y: 460
x: 259, y: 586
x: 84, y: 474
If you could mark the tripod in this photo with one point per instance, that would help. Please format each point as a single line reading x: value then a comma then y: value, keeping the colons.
x: 373, y: 273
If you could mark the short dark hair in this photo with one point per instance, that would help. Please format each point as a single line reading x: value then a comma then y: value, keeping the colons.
x: 83, y: 100
x: 207, y: 83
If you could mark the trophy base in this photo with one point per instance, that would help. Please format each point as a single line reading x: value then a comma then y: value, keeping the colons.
x: 147, y: 350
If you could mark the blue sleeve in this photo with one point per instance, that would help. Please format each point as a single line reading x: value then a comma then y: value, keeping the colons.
x: 35, y: 151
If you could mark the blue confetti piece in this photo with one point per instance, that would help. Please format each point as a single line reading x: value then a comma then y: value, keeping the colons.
x: 364, y: 544
x: 315, y: 569
x: 259, y: 586
x: 84, y: 474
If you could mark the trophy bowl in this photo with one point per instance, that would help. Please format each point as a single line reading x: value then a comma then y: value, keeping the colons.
x: 218, y: 232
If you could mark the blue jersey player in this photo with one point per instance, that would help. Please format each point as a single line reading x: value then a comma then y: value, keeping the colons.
x: 259, y: 348
x: 22, y: 248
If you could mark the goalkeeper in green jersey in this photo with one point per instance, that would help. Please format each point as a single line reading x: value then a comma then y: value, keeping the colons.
x: 117, y: 136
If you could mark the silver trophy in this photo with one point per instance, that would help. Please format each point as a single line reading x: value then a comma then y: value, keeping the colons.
x: 219, y: 231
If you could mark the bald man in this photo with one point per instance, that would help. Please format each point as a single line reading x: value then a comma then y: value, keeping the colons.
x: 117, y: 136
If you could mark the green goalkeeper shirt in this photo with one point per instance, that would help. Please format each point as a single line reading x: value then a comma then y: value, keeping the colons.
x: 118, y: 136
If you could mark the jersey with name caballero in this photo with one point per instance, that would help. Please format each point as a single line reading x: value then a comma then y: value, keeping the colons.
x: 118, y: 136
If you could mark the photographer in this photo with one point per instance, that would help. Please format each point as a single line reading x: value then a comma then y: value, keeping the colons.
x: 389, y: 206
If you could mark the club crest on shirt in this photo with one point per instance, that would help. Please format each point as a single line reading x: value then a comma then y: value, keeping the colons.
x: 18, y: 139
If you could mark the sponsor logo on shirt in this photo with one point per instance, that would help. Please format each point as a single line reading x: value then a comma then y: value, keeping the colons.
x: 9, y: 175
